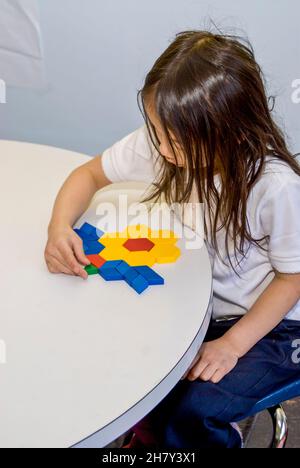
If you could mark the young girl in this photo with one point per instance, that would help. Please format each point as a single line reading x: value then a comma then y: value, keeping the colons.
x: 209, y: 134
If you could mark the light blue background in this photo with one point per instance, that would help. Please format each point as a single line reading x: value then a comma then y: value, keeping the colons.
x: 97, y: 54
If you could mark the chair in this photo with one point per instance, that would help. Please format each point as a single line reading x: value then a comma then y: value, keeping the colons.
x: 273, y: 403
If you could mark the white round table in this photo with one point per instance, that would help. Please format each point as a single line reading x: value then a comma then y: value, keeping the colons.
x: 84, y: 360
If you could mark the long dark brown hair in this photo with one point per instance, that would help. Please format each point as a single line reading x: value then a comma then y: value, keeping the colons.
x: 209, y: 91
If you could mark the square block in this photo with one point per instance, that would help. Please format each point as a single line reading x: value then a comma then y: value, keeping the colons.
x: 96, y: 260
x: 139, y: 284
x: 150, y: 275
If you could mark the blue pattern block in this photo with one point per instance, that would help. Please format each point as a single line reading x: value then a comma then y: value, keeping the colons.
x: 150, y: 275
x: 92, y: 247
x: 123, y: 267
x: 110, y: 274
x: 139, y: 284
x: 89, y: 232
x: 130, y: 275
x: 110, y: 264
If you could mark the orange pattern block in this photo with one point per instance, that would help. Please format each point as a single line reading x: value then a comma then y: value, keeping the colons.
x: 96, y: 260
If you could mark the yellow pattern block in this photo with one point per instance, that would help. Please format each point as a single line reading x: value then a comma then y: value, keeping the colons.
x: 166, y: 254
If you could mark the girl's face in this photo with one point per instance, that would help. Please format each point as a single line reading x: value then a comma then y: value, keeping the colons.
x: 164, y: 147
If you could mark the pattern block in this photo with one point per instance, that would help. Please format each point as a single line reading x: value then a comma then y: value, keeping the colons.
x: 89, y: 232
x: 130, y: 276
x: 139, y: 284
x: 96, y: 260
x: 150, y: 275
x: 91, y: 270
x: 110, y: 274
x: 92, y: 247
x: 138, y: 245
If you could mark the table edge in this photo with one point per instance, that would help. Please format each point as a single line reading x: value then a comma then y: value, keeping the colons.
x: 130, y: 417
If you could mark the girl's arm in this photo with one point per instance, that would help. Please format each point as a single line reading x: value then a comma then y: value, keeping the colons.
x: 268, y: 311
x: 219, y: 357
x: 64, y: 252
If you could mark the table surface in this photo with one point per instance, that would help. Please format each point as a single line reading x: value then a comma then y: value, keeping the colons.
x: 85, y: 360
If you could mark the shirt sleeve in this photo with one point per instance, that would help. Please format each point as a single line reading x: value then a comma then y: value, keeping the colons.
x: 280, y: 219
x: 133, y: 158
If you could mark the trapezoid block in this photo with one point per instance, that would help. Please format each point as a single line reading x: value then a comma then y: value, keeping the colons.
x: 167, y: 254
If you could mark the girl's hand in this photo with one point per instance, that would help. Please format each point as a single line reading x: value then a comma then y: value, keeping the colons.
x: 64, y: 252
x: 215, y: 360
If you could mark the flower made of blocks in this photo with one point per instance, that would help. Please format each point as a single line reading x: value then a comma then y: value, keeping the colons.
x: 139, y: 245
x: 128, y: 255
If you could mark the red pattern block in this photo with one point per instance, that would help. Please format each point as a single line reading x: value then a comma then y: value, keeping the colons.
x: 96, y: 260
x: 139, y: 245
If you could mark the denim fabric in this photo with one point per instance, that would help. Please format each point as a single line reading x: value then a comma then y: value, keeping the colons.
x: 198, y: 414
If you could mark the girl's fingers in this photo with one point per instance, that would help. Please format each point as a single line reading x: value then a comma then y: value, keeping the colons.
x: 218, y: 376
x: 69, y: 259
x: 79, y: 253
x: 55, y: 266
x: 59, y: 258
x: 197, y: 370
x: 208, y: 373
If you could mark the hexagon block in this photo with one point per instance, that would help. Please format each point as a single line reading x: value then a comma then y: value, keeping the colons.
x: 138, y: 245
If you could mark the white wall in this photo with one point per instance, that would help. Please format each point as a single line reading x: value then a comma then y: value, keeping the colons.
x: 97, y: 53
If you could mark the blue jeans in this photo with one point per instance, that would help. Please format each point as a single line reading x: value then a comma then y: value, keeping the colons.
x: 198, y: 414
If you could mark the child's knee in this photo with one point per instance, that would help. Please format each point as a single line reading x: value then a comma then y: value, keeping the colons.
x: 202, y: 400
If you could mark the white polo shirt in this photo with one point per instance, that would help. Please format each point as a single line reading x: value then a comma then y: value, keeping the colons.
x: 273, y: 210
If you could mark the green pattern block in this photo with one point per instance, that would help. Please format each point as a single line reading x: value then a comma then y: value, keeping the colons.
x: 91, y: 270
